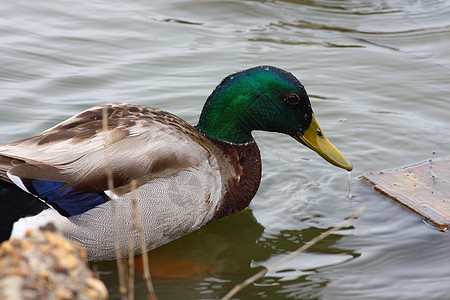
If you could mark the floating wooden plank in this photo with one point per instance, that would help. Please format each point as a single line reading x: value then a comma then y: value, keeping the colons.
x: 424, y: 188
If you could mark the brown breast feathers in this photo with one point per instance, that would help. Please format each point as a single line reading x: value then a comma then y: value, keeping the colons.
x: 240, y: 190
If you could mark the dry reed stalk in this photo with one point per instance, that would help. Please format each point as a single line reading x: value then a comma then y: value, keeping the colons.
x: 237, y: 288
x: 138, y: 223
x: 134, y: 225
x: 109, y: 174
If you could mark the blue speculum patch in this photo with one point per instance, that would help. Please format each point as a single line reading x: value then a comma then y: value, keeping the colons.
x: 68, y: 202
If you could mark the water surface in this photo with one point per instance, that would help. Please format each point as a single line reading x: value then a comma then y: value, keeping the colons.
x: 378, y: 76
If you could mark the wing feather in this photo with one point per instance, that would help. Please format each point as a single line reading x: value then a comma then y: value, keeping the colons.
x: 68, y: 163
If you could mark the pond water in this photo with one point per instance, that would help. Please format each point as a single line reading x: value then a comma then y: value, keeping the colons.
x: 378, y: 76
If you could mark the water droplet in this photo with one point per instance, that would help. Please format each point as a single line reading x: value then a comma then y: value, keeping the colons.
x: 266, y: 68
x: 349, y: 184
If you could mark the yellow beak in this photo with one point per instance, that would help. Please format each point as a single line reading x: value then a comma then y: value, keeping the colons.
x: 315, y: 139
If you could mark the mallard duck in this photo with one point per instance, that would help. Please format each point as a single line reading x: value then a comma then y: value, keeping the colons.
x: 187, y: 176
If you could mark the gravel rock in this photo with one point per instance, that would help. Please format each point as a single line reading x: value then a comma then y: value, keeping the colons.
x: 44, y: 265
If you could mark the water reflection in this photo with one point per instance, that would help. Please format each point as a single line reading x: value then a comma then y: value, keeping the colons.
x: 210, y: 261
x: 223, y: 249
x: 297, y: 278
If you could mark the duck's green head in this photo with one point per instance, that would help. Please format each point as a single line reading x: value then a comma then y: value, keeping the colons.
x: 265, y: 98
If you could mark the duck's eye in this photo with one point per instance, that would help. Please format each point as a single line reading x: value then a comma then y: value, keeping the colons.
x: 292, y: 99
